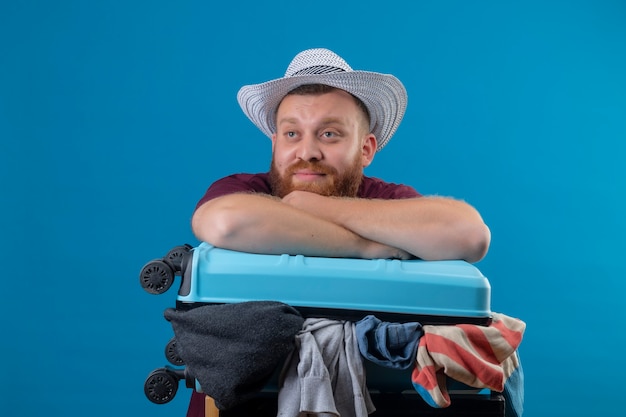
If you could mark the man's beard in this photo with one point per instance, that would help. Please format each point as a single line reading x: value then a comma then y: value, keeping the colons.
x: 334, y: 185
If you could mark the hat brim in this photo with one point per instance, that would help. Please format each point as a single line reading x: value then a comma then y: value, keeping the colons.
x: 383, y: 94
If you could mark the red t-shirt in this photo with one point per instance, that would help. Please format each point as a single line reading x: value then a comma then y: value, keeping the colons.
x: 258, y: 183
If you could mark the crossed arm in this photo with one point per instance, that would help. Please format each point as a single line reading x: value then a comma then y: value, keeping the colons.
x: 430, y: 228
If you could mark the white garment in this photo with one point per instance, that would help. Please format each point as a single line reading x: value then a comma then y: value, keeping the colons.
x: 324, y: 375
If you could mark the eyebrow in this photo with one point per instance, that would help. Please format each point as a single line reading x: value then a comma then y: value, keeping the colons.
x: 324, y: 122
x: 292, y: 120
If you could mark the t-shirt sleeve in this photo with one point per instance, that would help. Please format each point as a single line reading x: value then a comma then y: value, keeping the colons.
x: 236, y: 183
x: 376, y: 188
x: 404, y: 191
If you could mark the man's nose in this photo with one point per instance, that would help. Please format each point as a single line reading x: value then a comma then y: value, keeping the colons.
x: 309, y: 149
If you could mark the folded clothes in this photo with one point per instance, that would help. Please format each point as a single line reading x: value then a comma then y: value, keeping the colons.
x: 392, y: 345
x: 232, y: 350
x: 478, y: 356
x: 325, y: 376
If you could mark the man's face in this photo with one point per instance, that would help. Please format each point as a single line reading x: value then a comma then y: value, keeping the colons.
x: 321, y: 145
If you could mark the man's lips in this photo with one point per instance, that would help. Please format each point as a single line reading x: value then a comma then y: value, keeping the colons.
x: 306, y: 175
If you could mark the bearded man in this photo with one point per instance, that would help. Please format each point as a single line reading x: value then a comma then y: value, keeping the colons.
x: 326, y: 122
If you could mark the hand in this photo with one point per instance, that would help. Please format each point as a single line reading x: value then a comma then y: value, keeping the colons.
x: 375, y: 250
x: 327, y: 208
x: 309, y: 202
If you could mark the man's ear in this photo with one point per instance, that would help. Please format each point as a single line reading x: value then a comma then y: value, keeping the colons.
x: 369, y: 149
x: 273, y: 139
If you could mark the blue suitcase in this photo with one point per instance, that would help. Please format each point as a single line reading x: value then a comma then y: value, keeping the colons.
x: 428, y: 292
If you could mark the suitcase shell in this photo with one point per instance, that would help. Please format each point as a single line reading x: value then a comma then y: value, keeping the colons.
x: 342, y: 288
x: 429, y: 292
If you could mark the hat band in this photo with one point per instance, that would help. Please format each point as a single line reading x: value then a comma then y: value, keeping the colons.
x: 317, y: 70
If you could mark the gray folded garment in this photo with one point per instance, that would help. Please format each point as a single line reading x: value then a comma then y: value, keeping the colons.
x: 232, y: 350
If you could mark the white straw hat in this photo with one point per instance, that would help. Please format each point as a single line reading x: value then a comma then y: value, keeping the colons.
x: 383, y: 94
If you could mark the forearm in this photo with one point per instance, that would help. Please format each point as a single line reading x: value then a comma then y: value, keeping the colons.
x: 430, y: 228
x: 262, y: 224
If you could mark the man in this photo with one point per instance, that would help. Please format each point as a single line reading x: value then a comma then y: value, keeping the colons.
x: 326, y: 122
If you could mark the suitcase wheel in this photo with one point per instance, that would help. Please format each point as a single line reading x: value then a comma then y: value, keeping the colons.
x: 156, y: 277
x: 172, y: 355
x: 161, y: 386
x: 175, y: 256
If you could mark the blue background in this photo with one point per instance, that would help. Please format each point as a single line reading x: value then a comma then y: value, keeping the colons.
x: 116, y: 115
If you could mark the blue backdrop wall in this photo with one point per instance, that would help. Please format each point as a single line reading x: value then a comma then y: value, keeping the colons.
x: 116, y: 115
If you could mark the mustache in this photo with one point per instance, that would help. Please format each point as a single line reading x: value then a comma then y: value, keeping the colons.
x: 314, y: 166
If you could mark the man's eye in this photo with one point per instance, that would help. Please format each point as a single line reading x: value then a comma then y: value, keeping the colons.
x: 329, y: 134
x: 291, y: 134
